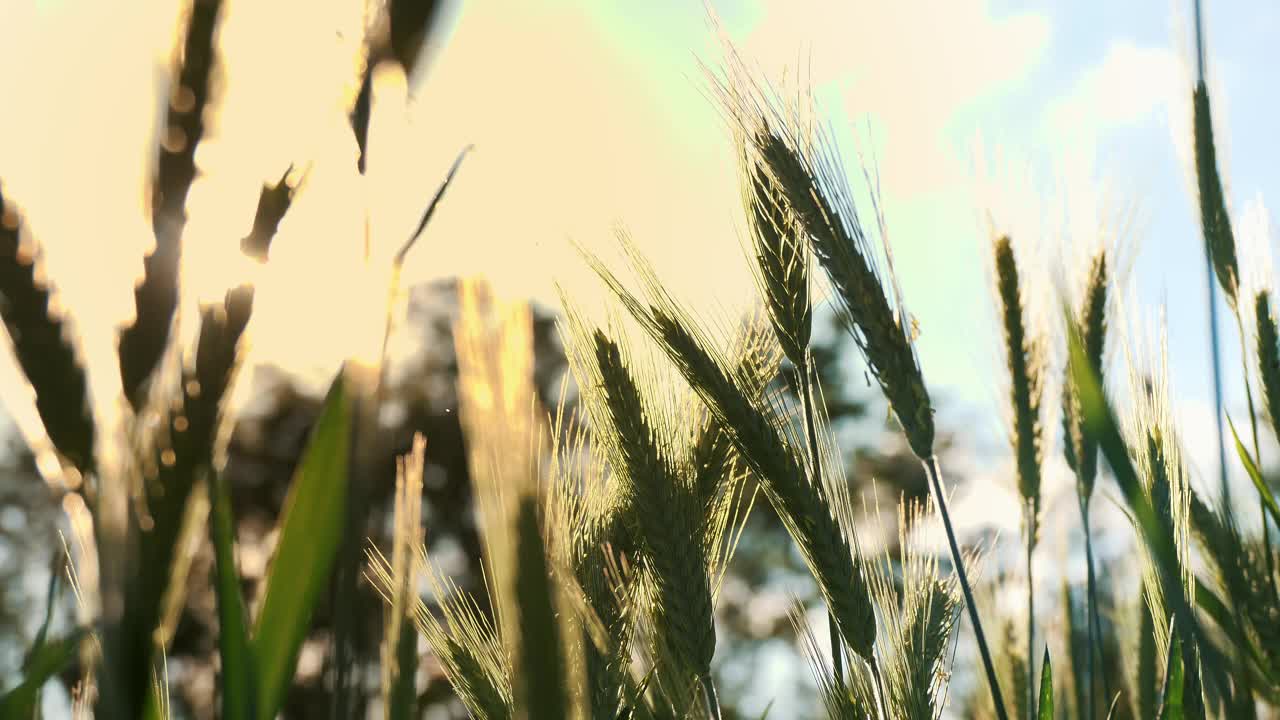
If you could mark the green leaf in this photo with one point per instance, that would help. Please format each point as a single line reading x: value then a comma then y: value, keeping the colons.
x: 1148, y: 661
x: 310, y: 534
x: 541, y: 658
x: 233, y: 628
x: 46, y: 660
x: 1046, y: 688
x: 1174, y: 679
x: 1264, y: 492
x: 404, y: 693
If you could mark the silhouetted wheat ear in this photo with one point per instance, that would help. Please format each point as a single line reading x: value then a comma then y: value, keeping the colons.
x: 813, y: 183
x: 803, y: 507
x: 273, y: 203
x: 192, y: 437
x: 781, y: 261
x: 1023, y: 355
x: 42, y: 347
x: 143, y: 343
x: 1215, y: 222
x: 666, y: 513
x: 1268, y: 356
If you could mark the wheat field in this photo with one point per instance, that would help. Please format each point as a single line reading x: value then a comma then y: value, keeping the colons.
x: 610, y: 513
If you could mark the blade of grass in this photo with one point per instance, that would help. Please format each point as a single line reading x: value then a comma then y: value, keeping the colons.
x: 45, y: 661
x: 1045, y: 709
x: 542, y: 661
x: 1171, y: 707
x: 238, y: 669
x: 1264, y: 492
x: 310, y: 533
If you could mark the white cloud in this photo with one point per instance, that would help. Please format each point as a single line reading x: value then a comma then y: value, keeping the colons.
x: 910, y: 67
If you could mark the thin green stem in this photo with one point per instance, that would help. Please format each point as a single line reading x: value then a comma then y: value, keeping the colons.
x: 1096, y: 659
x: 1031, y: 609
x: 939, y: 495
x: 710, y: 697
x: 807, y: 401
x: 1217, y: 381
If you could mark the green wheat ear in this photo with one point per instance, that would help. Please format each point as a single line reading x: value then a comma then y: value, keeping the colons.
x: 1080, y: 449
x: 1215, y: 221
x: 1268, y: 338
x: 781, y: 259
x: 1023, y: 356
x: 666, y: 514
x: 813, y: 183
x: 41, y: 343
x: 805, y: 508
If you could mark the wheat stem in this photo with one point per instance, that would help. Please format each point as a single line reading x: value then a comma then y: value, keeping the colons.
x: 1031, y: 618
x: 806, y: 392
x: 709, y: 696
x: 935, y: 481
x: 1093, y: 619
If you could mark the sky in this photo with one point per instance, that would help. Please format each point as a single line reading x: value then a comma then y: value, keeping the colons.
x: 1061, y: 122
x: 1064, y: 122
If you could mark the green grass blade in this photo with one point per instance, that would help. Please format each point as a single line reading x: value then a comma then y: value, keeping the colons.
x: 310, y: 533
x: 1148, y: 664
x: 1264, y: 492
x: 1174, y: 680
x: 233, y: 624
x: 1046, y: 689
x: 541, y: 657
x: 404, y: 692
x: 46, y: 660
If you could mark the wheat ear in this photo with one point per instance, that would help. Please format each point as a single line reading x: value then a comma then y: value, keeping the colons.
x: 42, y: 346
x: 805, y: 508
x: 1023, y: 355
x: 156, y: 299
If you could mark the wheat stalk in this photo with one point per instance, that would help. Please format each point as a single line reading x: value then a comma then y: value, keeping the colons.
x: 1023, y: 354
x: 42, y: 346
x: 1081, y: 449
x: 400, y: 638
